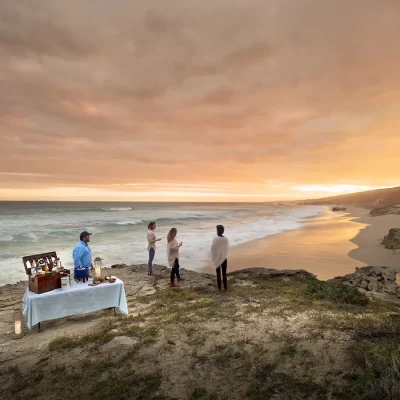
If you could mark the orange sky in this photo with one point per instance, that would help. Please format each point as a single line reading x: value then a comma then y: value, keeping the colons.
x: 203, y: 101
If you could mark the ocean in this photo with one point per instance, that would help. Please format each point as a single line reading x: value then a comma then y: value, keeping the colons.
x: 120, y: 229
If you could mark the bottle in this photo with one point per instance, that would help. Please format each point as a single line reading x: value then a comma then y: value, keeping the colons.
x: 33, y: 268
x: 71, y: 276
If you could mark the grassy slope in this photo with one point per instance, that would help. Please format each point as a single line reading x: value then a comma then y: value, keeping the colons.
x: 269, y: 338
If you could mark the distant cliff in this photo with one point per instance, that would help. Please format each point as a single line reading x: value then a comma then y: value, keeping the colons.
x: 370, y: 199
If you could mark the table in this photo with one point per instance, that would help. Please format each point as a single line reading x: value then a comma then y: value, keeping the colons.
x: 79, y: 299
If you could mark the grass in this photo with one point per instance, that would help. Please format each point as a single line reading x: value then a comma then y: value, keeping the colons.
x: 230, y: 341
x: 100, y: 337
x: 378, y: 374
x: 289, y: 350
x: 118, y: 386
x: 336, y: 293
x: 200, y: 393
x: 126, y: 388
x: 271, y: 384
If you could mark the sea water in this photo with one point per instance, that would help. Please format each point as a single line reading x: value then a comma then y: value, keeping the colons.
x: 120, y: 229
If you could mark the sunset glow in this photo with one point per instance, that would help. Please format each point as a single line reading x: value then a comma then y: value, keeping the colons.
x: 214, y: 101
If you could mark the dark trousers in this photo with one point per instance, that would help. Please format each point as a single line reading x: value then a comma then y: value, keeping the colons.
x: 152, y: 252
x: 175, y: 271
x: 222, y: 267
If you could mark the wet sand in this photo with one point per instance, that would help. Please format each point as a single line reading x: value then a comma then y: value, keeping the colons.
x: 329, y: 245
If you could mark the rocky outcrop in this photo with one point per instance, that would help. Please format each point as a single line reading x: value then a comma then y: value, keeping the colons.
x: 145, y: 285
x: 269, y: 273
x: 339, y: 209
x: 392, y: 239
x: 120, y: 343
x: 372, y: 279
x: 395, y: 209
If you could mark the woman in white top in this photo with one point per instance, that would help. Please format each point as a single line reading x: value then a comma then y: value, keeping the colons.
x: 151, y: 244
x: 173, y: 255
x: 219, y: 253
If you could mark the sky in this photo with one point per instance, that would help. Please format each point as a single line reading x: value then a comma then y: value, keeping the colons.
x: 156, y: 100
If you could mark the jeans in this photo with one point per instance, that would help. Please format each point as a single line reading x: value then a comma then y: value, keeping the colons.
x: 222, y: 267
x: 175, y: 271
x: 152, y: 253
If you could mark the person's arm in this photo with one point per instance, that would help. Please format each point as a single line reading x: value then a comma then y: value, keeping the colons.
x: 153, y: 239
x: 212, y: 246
x: 77, y: 256
x: 174, y: 247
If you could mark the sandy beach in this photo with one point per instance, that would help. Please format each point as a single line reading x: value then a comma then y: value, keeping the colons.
x: 332, y: 244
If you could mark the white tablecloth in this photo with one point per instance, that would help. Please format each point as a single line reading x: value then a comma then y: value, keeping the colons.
x: 79, y: 299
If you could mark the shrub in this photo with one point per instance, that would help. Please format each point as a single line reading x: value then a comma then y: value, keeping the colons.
x: 336, y: 293
x: 379, y: 376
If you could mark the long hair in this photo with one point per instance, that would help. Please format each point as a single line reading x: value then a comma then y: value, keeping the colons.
x: 172, y: 234
x: 220, y: 230
x: 151, y: 224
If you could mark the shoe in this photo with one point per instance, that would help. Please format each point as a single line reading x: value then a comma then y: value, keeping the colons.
x: 172, y: 284
x: 181, y: 279
x: 149, y: 273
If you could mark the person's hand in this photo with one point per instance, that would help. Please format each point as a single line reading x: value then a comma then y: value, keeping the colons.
x: 180, y: 244
x: 158, y: 239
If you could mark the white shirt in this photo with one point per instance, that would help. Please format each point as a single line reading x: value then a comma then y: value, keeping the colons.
x: 219, y: 250
x: 151, y: 236
x: 172, y: 252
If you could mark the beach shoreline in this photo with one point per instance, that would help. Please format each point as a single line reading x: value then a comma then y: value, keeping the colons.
x: 328, y: 245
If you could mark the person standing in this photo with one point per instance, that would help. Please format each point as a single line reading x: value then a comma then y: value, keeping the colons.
x: 219, y: 254
x: 173, y: 256
x: 82, y: 253
x: 151, y: 246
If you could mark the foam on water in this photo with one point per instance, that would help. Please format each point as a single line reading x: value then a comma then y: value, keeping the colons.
x: 121, y: 236
x: 117, y: 209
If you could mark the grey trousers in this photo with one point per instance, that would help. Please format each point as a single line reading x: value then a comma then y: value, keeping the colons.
x: 152, y: 253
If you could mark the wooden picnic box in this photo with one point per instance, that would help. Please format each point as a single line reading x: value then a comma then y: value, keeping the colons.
x: 43, y: 283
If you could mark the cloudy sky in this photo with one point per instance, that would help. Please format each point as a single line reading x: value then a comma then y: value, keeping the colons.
x: 198, y: 100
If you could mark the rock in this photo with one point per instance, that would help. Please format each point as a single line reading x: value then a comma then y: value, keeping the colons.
x: 391, y: 288
x: 364, y: 284
x: 392, y: 239
x: 265, y: 273
x: 394, y: 209
x: 146, y: 290
x: 372, y: 286
x: 339, y: 209
x: 372, y: 279
x: 120, y: 343
x: 119, y: 266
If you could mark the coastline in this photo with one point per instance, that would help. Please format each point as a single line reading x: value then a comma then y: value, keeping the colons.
x: 368, y: 241
x: 331, y: 244
x: 328, y: 245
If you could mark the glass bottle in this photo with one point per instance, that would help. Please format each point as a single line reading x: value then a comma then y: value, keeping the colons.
x: 33, y: 268
x: 71, y: 276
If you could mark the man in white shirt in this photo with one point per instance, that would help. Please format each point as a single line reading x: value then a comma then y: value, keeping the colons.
x: 219, y: 253
x: 151, y: 245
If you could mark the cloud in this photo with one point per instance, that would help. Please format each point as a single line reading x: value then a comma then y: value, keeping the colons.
x: 95, y: 93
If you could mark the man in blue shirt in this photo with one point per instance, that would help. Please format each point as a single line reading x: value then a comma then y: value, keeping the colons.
x: 82, y: 253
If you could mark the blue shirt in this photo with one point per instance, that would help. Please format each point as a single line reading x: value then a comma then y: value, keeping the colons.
x: 82, y: 255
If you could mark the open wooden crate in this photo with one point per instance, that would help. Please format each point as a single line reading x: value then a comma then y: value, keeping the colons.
x: 43, y: 283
